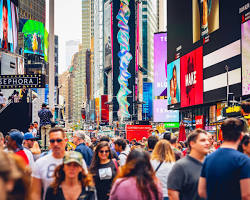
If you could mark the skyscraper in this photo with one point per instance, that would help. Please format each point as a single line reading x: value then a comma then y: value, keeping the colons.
x: 150, y: 26
x: 71, y: 48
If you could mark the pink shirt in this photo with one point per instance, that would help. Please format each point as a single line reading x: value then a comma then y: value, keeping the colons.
x: 125, y: 188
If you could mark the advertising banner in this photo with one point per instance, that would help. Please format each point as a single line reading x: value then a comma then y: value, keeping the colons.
x: 33, y: 36
x: 245, y: 34
x: 107, y: 35
x: 104, y: 109
x: 8, y: 25
x: 161, y: 112
x: 173, y: 82
x: 200, y: 121
x: 97, y: 109
x: 160, y: 64
x: 172, y: 125
x: 147, y: 109
x: 137, y: 131
x: 192, y: 78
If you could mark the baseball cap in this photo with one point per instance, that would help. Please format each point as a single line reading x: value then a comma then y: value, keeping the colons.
x: 28, y: 136
x: 18, y: 137
x: 72, y: 156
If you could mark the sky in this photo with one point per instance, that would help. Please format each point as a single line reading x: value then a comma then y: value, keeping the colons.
x: 68, y: 25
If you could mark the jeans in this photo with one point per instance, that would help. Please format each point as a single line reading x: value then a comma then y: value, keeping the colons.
x: 165, y: 198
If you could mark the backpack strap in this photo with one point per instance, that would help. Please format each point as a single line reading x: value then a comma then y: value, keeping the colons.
x: 158, y: 166
x: 116, y: 164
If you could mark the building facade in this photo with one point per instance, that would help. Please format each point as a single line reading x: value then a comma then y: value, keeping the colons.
x: 33, y: 9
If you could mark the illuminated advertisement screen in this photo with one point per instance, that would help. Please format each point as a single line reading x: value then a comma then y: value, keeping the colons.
x: 173, y: 82
x: 33, y: 36
x: 245, y: 32
x: 8, y: 25
x: 192, y: 78
x: 104, y: 109
x: 161, y: 112
x: 147, y: 108
x: 97, y: 109
x: 205, y: 18
x: 160, y: 64
x: 107, y: 35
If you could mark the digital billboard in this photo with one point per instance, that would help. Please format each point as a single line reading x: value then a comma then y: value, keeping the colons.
x: 8, y: 25
x: 173, y: 82
x: 33, y: 36
x: 192, y: 78
x: 147, y: 108
x: 104, y: 109
x: 160, y: 64
x: 245, y: 32
x: 107, y: 35
x: 205, y: 18
x: 161, y: 112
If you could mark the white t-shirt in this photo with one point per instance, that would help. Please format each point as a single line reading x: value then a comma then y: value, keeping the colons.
x: 162, y: 174
x: 30, y: 158
x: 44, y: 169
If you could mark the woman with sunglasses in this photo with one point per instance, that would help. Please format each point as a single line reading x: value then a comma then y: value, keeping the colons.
x: 70, y: 180
x: 137, y: 180
x: 104, y: 169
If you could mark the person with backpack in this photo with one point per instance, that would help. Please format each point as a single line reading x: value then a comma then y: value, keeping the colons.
x: 162, y: 160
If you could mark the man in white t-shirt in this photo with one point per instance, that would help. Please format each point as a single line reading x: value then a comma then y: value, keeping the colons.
x: 44, y: 167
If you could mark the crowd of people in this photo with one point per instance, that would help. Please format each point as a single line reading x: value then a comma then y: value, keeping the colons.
x: 117, y: 169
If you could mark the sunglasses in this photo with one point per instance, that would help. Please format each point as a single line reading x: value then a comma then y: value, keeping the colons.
x: 57, y: 140
x: 107, y: 151
x: 32, y: 140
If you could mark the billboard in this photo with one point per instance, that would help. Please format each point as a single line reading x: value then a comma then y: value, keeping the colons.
x: 107, y: 35
x: 205, y: 18
x: 137, y: 131
x: 192, y: 78
x: 147, y: 108
x: 33, y: 36
x: 97, y: 109
x: 160, y: 64
x: 245, y: 34
x: 173, y: 82
x: 104, y: 109
x: 8, y: 25
x: 161, y: 112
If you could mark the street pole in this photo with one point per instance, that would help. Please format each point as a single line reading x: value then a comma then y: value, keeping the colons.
x: 51, y: 54
x: 226, y: 67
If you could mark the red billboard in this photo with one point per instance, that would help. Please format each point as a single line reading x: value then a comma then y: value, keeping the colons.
x: 137, y: 131
x: 192, y: 78
x: 200, y: 121
x: 104, y: 109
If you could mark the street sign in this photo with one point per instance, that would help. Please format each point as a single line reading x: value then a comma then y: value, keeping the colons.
x: 19, y: 81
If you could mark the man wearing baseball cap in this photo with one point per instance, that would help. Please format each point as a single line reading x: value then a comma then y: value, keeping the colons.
x: 29, y: 140
x: 15, y: 141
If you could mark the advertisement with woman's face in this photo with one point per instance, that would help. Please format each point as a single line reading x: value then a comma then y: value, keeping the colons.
x: 173, y: 80
x: 8, y: 25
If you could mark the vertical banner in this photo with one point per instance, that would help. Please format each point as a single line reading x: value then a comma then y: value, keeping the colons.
x: 160, y: 64
x: 200, y: 121
x: 245, y: 34
x: 147, y: 109
x: 124, y: 40
x: 104, y: 109
x: 97, y: 109
x: 192, y: 78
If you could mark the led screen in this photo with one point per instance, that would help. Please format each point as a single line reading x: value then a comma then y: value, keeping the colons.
x: 174, y: 82
x: 8, y: 25
x: 192, y: 78
x: 245, y: 32
x: 147, y: 109
x: 161, y: 112
x: 205, y: 18
x: 107, y: 35
x: 160, y: 64
x: 33, y: 36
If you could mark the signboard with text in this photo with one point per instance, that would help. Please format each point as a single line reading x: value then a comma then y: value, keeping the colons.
x: 20, y: 81
x: 200, y: 121
x: 172, y: 125
x: 137, y: 131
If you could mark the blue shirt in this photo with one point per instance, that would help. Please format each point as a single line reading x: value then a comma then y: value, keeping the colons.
x: 223, y: 171
x: 45, y: 115
x: 86, y: 152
